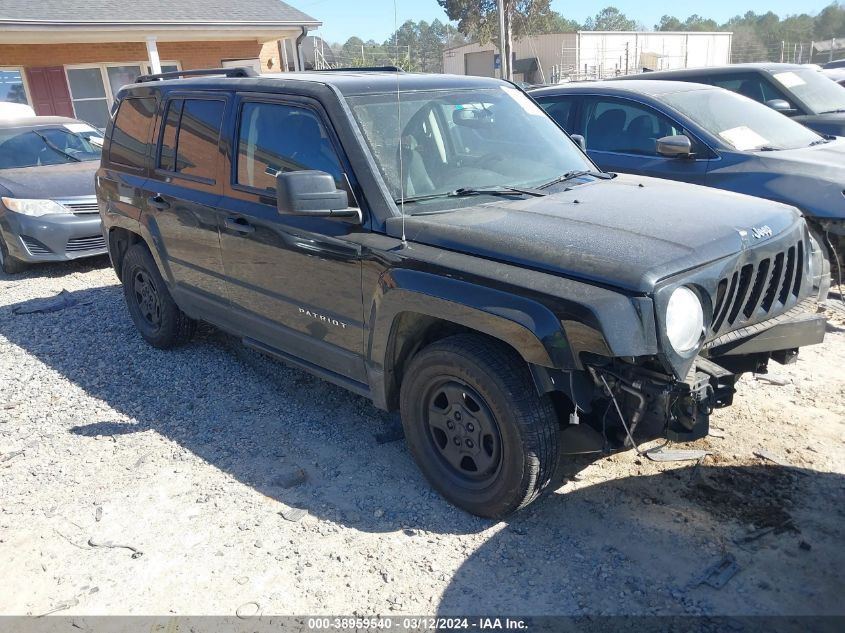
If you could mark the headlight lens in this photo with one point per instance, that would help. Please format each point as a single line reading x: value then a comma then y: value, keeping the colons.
x: 33, y: 207
x: 684, y: 319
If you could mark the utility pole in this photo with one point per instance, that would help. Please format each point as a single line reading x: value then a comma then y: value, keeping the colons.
x: 627, y: 53
x: 503, y: 52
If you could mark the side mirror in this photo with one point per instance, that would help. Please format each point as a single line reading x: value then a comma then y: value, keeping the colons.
x: 580, y: 140
x: 780, y: 105
x: 311, y: 193
x: 674, y: 146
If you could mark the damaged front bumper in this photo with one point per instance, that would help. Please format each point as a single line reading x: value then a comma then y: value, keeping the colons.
x: 637, y: 399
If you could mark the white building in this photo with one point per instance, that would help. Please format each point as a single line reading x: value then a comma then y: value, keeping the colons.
x: 557, y: 57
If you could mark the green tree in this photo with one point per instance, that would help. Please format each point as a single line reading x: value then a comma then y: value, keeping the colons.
x: 669, y: 23
x: 479, y: 19
x: 830, y: 22
x: 697, y: 23
x: 560, y: 24
x: 610, y: 19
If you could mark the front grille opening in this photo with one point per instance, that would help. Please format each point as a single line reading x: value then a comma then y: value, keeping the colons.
x: 787, y: 277
x: 720, y: 314
x: 34, y: 246
x: 90, y: 243
x: 720, y: 297
x: 799, y: 270
x: 774, y: 281
x: 757, y: 288
x: 742, y: 291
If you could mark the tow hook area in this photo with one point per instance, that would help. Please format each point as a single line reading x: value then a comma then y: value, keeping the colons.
x: 653, y: 405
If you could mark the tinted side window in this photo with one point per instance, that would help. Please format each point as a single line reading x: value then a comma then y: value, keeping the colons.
x: 752, y: 86
x: 128, y: 144
x: 167, y: 153
x: 190, y: 136
x: 560, y: 109
x: 624, y: 127
x: 275, y: 138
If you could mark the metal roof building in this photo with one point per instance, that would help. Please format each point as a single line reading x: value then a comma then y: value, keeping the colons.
x: 556, y: 57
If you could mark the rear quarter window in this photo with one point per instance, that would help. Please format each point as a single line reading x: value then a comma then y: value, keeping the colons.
x: 130, y: 133
x: 189, y: 141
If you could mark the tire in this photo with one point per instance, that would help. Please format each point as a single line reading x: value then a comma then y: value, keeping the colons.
x: 157, y: 317
x: 476, y: 426
x: 10, y: 265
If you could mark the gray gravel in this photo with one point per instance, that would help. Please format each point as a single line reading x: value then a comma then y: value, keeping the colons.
x: 243, y: 481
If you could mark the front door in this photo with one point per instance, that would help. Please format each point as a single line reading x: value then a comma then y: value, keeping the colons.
x: 621, y: 136
x: 49, y: 91
x: 182, y: 198
x: 295, y: 281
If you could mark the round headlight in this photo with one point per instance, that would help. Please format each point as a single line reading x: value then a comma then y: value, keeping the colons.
x: 684, y: 319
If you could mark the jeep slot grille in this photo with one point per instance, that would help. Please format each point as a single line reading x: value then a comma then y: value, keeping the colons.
x: 759, y: 290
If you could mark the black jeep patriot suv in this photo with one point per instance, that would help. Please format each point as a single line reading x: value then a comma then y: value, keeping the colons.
x: 438, y: 245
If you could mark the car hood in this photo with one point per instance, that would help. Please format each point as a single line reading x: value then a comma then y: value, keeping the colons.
x: 825, y: 160
x: 68, y: 180
x: 628, y: 233
x: 811, y: 178
x: 832, y: 123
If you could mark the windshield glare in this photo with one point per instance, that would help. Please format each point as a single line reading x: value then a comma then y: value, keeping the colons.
x: 453, y: 139
x: 742, y: 123
x: 34, y: 146
x: 818, y: 92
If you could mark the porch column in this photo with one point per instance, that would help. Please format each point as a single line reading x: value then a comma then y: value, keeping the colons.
x: 152, y: 54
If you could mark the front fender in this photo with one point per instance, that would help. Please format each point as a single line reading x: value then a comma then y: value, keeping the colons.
x: 527, y: 326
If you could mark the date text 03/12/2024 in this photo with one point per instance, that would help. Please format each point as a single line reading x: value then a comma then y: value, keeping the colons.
x: 417, y: 624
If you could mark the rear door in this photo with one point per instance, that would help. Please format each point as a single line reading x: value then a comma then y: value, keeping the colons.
x: 294, y: 282
x: 621, y: 136
x: 182, y: 198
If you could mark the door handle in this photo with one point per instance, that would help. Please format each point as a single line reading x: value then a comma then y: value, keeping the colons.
x: 239, y: 225
x: 157, y: 202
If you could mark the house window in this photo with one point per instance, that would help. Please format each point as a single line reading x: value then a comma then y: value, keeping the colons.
x: 93, y: 87
x: 12, y: 88
x: 88, y: 94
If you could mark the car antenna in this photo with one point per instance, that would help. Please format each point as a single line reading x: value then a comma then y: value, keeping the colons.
x: 399, y: 126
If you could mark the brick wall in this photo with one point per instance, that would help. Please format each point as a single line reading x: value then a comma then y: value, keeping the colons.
x: 188, y: 54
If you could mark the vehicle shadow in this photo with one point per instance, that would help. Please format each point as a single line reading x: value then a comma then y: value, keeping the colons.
x: 265, y: 424
x: 644, y: 545
x: 59, y: 269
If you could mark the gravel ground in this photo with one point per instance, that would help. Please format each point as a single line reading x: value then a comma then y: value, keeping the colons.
x: 146, y: 482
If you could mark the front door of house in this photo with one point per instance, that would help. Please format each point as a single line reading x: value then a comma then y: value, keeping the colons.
x: 49, y: 91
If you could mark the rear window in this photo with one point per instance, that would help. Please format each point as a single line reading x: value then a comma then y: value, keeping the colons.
x: 190, y: 136
x: 131, y: 128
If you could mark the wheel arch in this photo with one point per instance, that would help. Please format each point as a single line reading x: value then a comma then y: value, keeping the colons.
x: 413, y: 309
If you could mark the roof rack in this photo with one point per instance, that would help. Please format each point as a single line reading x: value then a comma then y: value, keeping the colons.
x: 363, y: 69
x: 244, y: 71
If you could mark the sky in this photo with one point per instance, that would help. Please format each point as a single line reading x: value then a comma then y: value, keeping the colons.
x: 374, y: 19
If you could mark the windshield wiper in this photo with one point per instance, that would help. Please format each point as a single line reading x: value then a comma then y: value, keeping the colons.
x: 462, y: 192
x: 820, y: 141
x: 766, y: 148
x: 572, y: 175
x: 837, y: 111
x: 55, y: 147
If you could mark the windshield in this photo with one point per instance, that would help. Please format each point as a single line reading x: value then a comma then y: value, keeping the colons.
x: 742, y: 123
x: 463, y: 140
x: 54, y: 145
x: 818, y: 92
